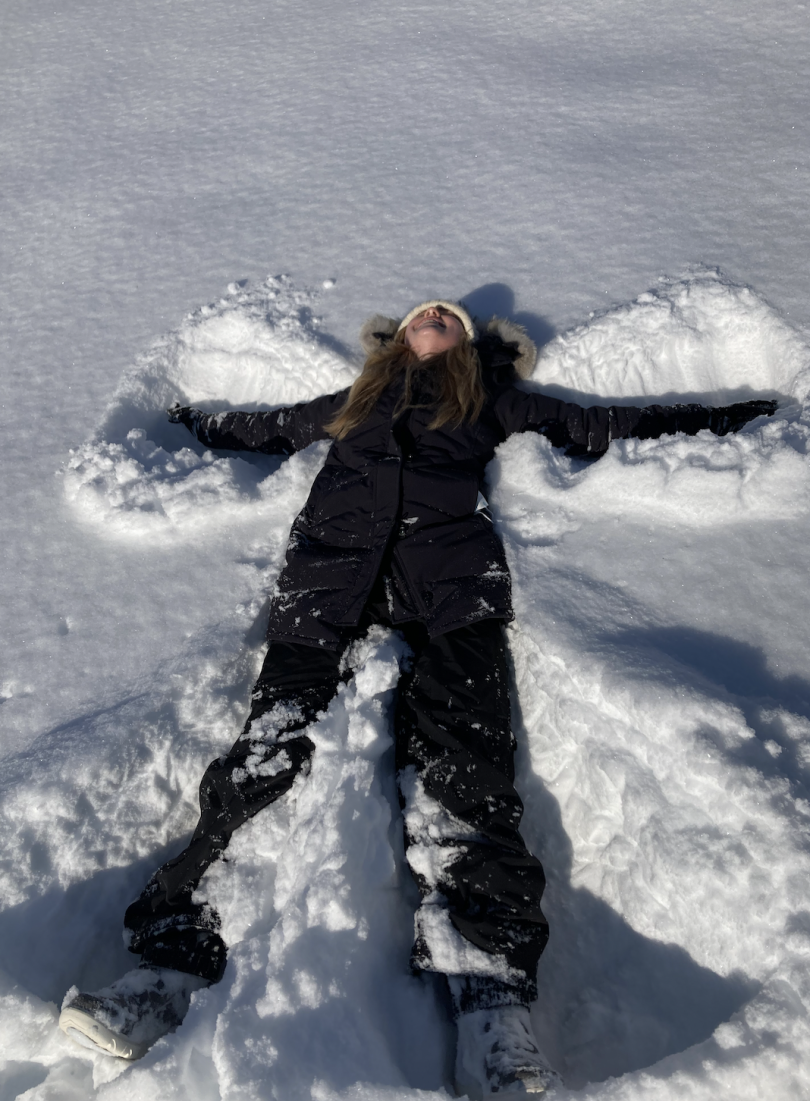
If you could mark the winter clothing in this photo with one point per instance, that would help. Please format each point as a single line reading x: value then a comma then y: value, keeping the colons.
x: 165, y: 927
x: 454, y: 750
x: 126, y: 1018
x: 393, y: 532
x: 498, y: 1054
x: 400, y: 497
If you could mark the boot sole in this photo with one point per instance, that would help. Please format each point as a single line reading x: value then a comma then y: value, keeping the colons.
x: 534, y: 1086
x: 84, y: 1029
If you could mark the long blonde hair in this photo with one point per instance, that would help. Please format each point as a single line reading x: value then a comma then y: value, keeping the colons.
x: 459, y: 389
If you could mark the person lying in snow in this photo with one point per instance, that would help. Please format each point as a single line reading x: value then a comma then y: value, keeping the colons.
x: 396, y: 532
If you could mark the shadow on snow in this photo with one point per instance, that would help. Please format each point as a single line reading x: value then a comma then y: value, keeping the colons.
x: 611, y: 1000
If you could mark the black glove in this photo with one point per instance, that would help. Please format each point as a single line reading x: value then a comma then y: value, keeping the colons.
x: 731, y: 418
x: 182, y: 414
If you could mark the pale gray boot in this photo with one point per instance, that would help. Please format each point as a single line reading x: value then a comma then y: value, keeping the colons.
x: 497, y: 1054
x: 127, y: 1017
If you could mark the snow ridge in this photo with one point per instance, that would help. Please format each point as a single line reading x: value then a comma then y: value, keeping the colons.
x: 255, y: 343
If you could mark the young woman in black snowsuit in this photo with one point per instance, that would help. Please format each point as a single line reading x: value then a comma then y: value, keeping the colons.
x: 395, y: 531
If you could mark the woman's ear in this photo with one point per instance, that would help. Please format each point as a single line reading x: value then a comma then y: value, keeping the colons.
x: 376, y: 332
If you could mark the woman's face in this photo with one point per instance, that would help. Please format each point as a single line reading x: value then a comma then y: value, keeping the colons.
x: 434, y: 331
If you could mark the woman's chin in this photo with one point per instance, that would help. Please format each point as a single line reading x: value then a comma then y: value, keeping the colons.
x: 428, y: 353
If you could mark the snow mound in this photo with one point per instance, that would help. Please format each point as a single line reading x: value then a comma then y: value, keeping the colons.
x: 696, y: 338
x: 132, y: 478
x: 693, y: 339
x: 662, y: 711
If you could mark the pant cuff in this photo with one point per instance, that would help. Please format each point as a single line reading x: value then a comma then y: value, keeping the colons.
x: 194, y: 951
x: 472, y: 992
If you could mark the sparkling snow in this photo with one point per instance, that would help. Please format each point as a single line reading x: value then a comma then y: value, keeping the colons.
x: 631, y: 183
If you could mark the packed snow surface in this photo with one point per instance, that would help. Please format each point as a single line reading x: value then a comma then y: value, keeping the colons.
x: 630, y: 182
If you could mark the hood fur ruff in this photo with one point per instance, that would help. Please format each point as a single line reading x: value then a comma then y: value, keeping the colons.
x: 379, y: 329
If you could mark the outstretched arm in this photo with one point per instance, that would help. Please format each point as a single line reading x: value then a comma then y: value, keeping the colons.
x: 280, y: 432
x: 589, y: 431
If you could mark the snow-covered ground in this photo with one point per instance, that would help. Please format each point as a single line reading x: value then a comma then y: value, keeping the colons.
x: 628, y: 180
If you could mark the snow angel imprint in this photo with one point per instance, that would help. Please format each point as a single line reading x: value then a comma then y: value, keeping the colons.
x: 395, y: 532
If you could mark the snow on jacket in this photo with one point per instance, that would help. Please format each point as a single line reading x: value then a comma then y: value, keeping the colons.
x: 399, y: 499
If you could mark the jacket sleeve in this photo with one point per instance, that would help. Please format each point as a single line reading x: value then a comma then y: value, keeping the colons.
x: 279, y: 432
x: 589, y: 431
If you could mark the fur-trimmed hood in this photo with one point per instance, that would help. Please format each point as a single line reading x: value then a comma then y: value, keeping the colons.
x: 379, y: 329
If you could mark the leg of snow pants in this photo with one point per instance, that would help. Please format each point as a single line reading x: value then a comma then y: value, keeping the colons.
x: 480, y: 922
x: 165, y: 926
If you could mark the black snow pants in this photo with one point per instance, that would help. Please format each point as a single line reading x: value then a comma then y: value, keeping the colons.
x: 480, y: 921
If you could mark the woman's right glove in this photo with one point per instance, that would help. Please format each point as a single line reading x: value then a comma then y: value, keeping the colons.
x: 731, y: 418
x: 183, y: 414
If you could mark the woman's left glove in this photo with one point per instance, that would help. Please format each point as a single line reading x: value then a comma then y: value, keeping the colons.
x: 731, y: 418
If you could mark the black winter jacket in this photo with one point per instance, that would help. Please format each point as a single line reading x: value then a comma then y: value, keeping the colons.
x: 398, y: 502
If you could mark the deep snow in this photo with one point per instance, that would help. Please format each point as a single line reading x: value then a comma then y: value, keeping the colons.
x: 576, y: 166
